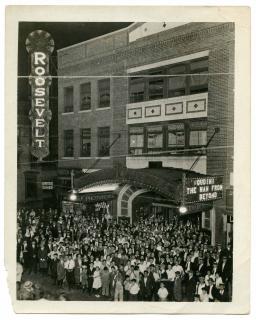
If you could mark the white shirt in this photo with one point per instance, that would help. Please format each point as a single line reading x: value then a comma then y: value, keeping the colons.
x: 69, y: 265
x: 162, y: 293
x: 134, y: 289
x: 170, y: 274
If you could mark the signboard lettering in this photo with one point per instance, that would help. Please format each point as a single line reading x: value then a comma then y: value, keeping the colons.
x: 40, y: 45
x: 203, y: 189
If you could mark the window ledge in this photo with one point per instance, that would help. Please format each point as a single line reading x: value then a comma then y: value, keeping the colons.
x: 66, y: 113
x: 106, y: 108
x: 85, y: 157
x: 68, y: 158
x: 104, y: 158
x: 85, y: 111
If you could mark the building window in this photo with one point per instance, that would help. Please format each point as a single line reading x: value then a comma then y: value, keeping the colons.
x: 103, y: 141
x: 85, y: 142
x: 177, y: 82
x: 137, y: 89
x: 199, y: 76
x: 154, y: 138
x: 188, y: 77
x: 68, y: 99
x: 85, y: 96
x: 198, y: 133
x: 68, y: 143
x: 104, y: 93
x: 176, y: 135
x: 136, y: 140
x: 155, y: 86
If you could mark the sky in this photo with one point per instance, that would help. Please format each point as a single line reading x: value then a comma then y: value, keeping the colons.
x: 64, y: 34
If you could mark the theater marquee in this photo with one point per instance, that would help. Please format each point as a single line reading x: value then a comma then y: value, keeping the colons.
x: 40, y: 45
x: 203, y: 189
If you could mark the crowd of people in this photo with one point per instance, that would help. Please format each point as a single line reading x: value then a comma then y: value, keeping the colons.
x: 152, y: 260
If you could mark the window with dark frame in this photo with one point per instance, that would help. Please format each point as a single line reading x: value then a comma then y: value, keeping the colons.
x: 168, y: 136
x: 198, y: 133
x: 104, y: 93
x: 154, y: 138
x: 68, y: 143
x: 136, y: 140
x: 68, y: 99
x: 103, y: 141
x: 177, y: 83
x: 137, y: 89
x: 176, y: 135
x: 85, y: 96
x: 85, y: 142
x: 188, y: 77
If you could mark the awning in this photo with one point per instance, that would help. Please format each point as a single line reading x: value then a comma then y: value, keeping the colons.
x: 109, y: 187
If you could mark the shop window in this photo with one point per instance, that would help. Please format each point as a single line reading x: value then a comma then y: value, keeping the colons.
x: 85, y: 96
x: 104, y: 93
x: 199, y: 76
x: 68, y: 143
x: 177, y: 82
x: 103, y: 141
x: 176, y: 135
x: 198, y: 133
x: 68, y: 99
x: 136, y: 140
x: 85, y: 142
x: 137, y: 90
x: 154, y: 138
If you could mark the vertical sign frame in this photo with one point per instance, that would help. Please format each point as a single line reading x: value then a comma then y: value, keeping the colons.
x: 40, y: 46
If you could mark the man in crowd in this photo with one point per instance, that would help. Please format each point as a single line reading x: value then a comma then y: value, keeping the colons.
x: 137, y: 257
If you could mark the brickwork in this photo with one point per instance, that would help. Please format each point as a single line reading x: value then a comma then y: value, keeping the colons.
x: 113, y: 55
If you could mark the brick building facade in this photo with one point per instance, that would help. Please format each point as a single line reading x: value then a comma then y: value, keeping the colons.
x: 150, y: 96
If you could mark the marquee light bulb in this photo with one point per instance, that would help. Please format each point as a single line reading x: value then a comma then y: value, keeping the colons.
x: 183, y: 209
x: 73, y: 197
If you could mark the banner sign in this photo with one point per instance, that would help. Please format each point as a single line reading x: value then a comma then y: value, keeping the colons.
x: 203, y: 189
x: 98, y: 197
x: 40, y: 45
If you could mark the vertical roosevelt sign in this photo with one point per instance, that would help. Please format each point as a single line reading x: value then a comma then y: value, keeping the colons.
x: 40, y: 45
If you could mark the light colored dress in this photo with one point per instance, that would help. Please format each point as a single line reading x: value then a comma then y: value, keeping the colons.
x: 96, y: 280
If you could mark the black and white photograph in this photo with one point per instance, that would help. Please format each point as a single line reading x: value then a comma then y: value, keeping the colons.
x: 125, y: 161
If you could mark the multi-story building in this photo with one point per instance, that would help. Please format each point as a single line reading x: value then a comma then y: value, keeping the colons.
x: 142, y: 108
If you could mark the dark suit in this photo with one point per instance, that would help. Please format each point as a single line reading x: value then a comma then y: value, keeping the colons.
x: 225, y: 271
x: 222, y: 296
x: 90, y: 279
x: 214, y: 292
x: 146, y: 288
x: 190, y: 289
x: 202, y: 269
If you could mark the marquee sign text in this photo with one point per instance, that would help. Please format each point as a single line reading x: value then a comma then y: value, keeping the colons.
x: 203, y: 189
